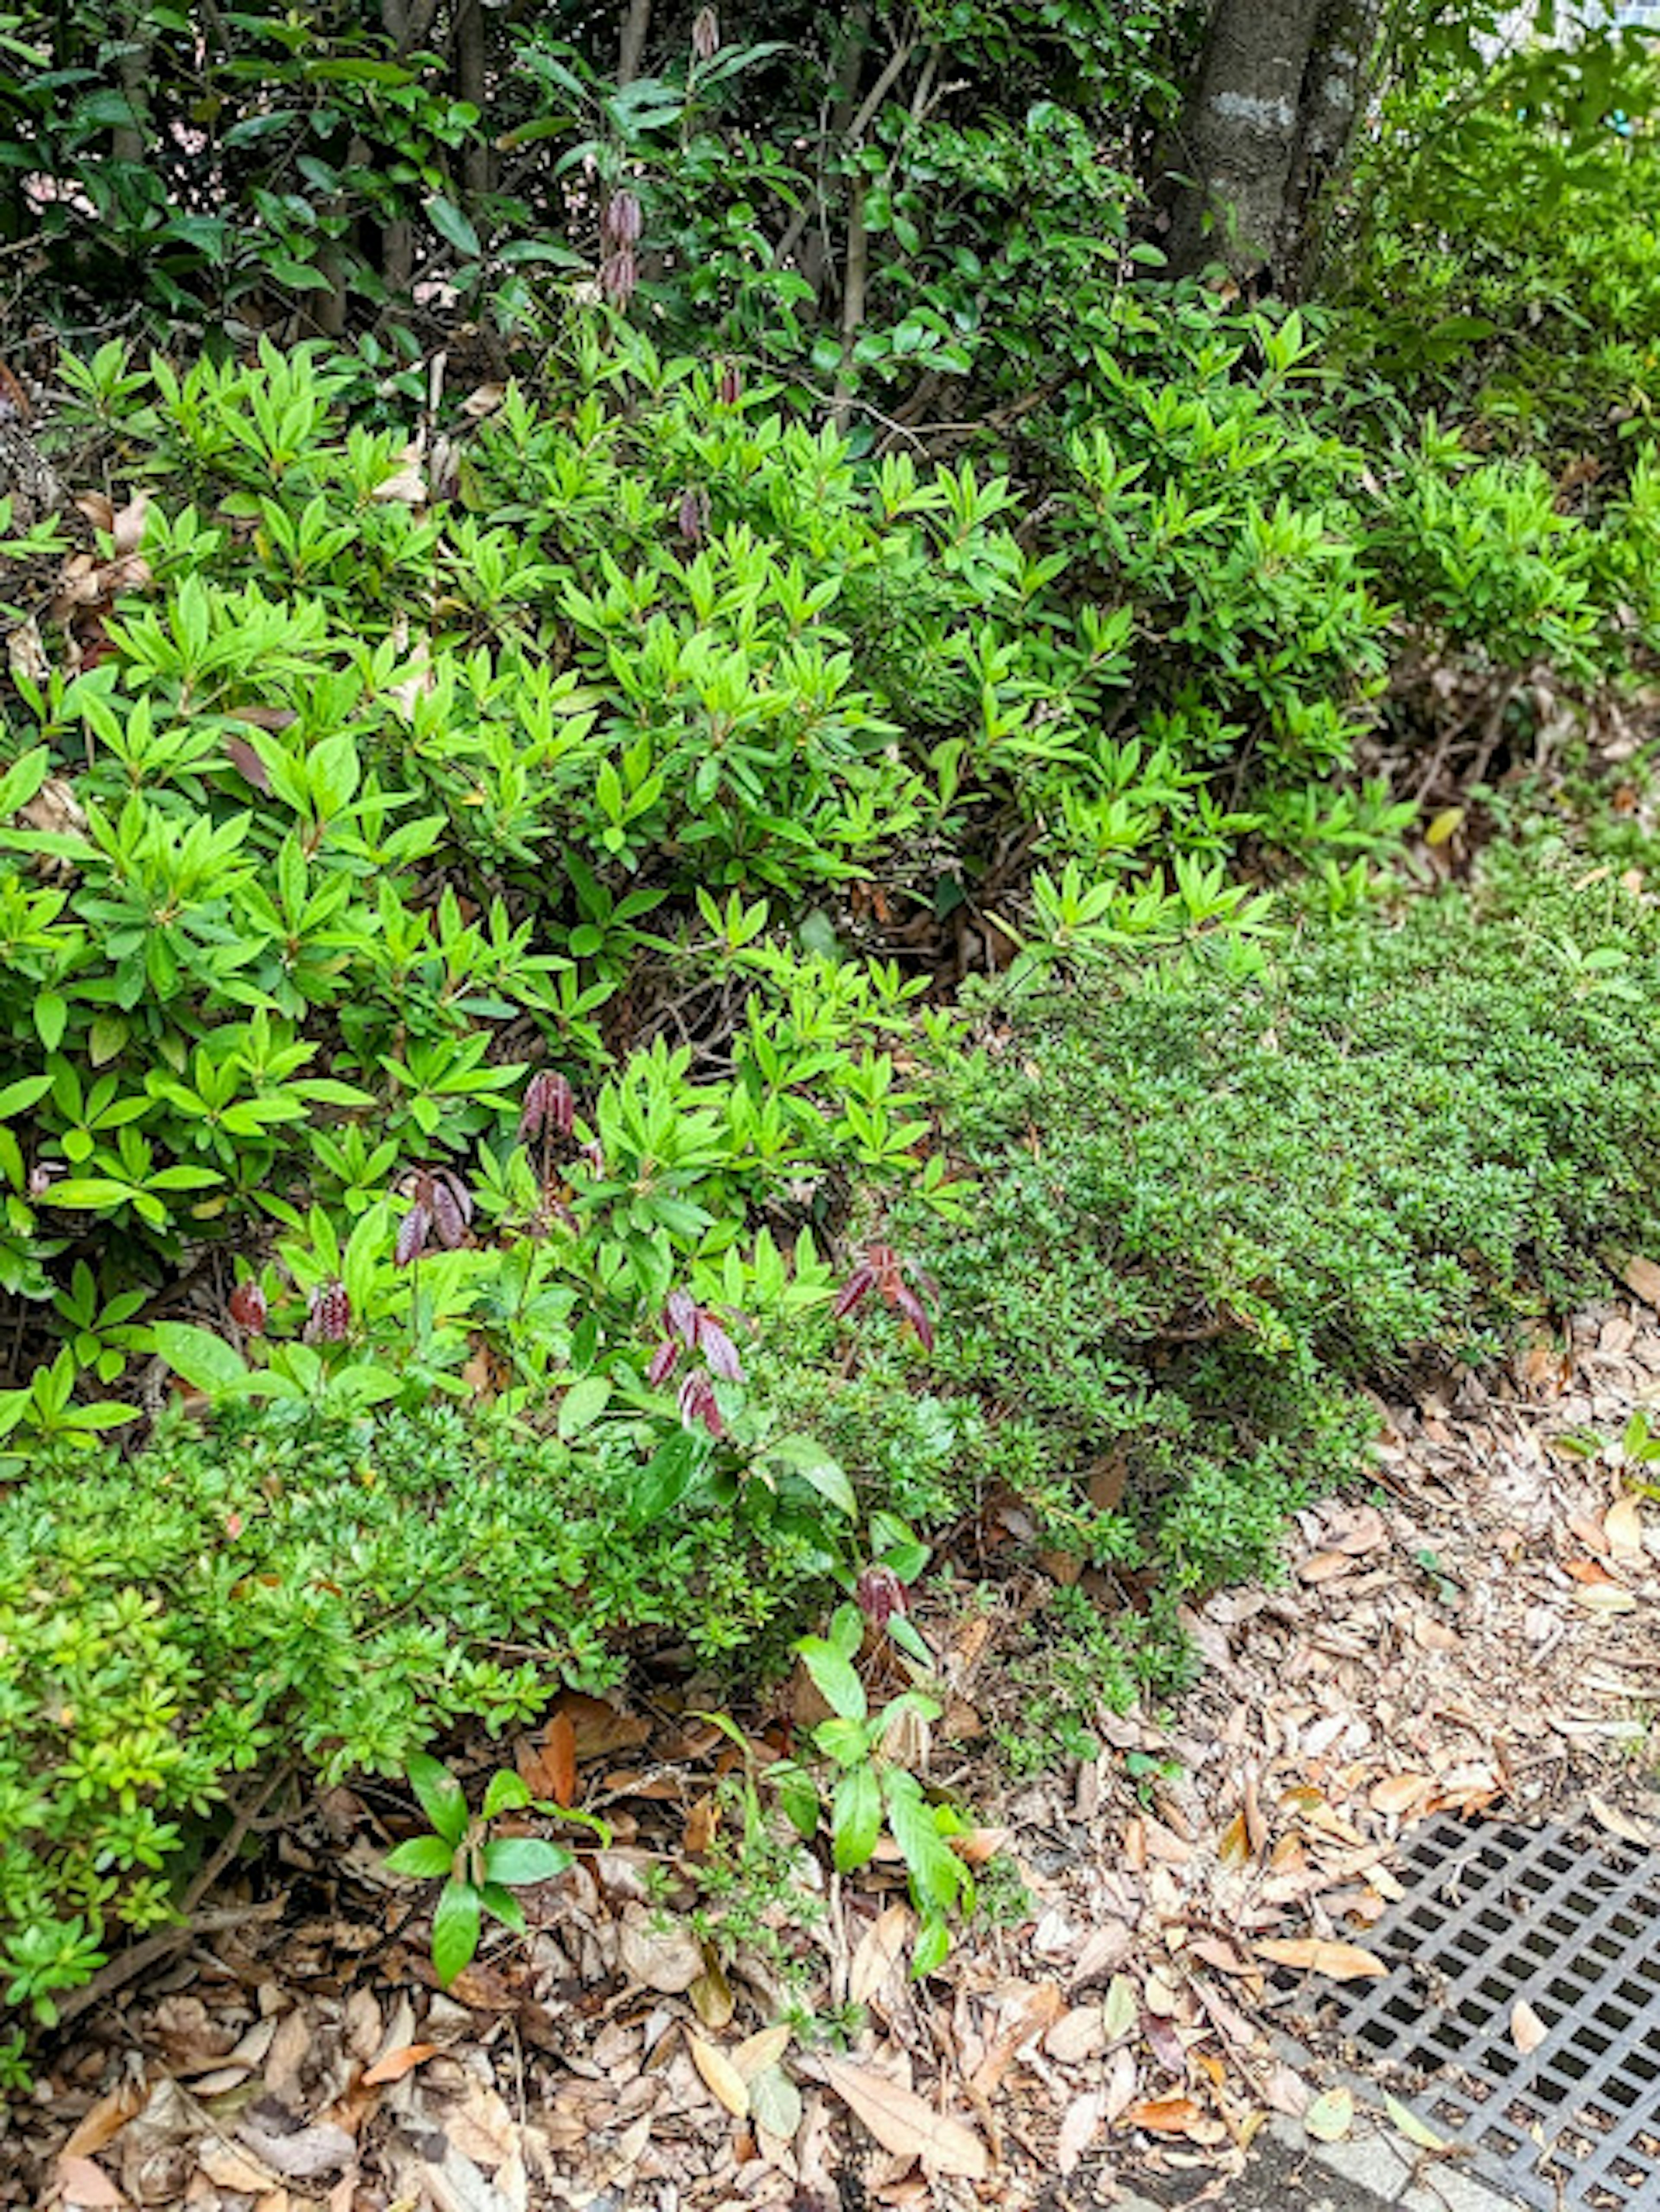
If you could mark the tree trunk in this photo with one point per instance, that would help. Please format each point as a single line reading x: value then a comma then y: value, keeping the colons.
x: 635, y: 25
x: 478, y: 162
x: 1237, y: 140
x: 1340, y: 76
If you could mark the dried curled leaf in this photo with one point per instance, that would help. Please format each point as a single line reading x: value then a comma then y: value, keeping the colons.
x: 902, y: 2123
x: 1315, y: 1955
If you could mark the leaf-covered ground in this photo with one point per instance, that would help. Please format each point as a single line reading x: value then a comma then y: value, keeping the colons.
x: 1481, y: 1634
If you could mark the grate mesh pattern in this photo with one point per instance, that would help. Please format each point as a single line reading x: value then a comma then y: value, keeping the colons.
x: 1570, y: 1924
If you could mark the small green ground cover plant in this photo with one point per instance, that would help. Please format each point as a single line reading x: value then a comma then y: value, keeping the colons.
x: 1217, y: 1194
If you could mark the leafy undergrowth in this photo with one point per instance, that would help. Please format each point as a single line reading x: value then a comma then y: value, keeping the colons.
x: 1212, y: 1199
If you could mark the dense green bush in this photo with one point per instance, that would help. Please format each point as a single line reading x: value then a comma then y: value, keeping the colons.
x: 404, y: 772
x: 1504, y: 263
x: 288, y: 1585
x: 1215, y: 1195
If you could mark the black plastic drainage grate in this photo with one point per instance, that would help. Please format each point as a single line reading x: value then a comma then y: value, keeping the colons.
x: 1571, y: 1924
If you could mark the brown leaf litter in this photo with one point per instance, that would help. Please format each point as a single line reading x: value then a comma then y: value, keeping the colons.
x: 1479, y: 1635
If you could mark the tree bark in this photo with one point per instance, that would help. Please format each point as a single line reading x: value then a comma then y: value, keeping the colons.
x: 635, y: 25
x: 1339, y: 78
x: 1237, y: 139
x: 478, y: 163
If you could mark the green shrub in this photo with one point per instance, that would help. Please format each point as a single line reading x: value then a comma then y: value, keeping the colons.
x: 321, y: 1587
x: 1212, y: 1203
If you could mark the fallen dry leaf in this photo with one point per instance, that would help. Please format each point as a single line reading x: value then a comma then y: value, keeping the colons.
x: 1078, y: 2034
x: 1324, y: 1566
x: 776, y: 2103
x: 756, y: 2053
x: 1315, y: 1955
x: 397, y: 2063
x: 902, y: 2123
x: 1618, y: 1823
x: 1413, y: 2129
x: 1527, y: 2030
x: 1165, y: 2116
x: 104, y: 2120
x: 667, y: 1960
x: 1622, y: 1524
x: 1121, y: 2009
x: 1079, y: 2129
x: 1604, y: 1598
x: 1399, y: 1793
x: 80, y: 2183
x: 879, y: 1951
x: 720, y: 2077
x: 1639, y: 1275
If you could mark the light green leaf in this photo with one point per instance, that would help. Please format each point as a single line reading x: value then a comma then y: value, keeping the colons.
x: 855, y: 1818
x: 522, y: 1859
x: 440, y: 1795
x: 427, y: 1857
x: 205, y: 1361
x: 455, y: 1930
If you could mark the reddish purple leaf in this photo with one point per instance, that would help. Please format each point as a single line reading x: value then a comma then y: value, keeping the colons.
x: 718, y: 1348
x: 451, y: 1209
x: 411, y: 1235
x: 663, y: 1361
x: 698, y: 1403
x: 857, y: 1288
x: 681, y: 1317
x: 247, y: 763
x: 916, y: 1313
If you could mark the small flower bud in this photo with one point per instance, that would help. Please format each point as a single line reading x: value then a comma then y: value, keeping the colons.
x: 706, y: 34
x: 880, y: 1595
x: 247, y: 1307
x: 329, y: 1321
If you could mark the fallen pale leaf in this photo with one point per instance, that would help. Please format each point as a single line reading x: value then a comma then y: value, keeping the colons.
x: 1446, y: 825
x: 1324, y: 1566
x: 1413, y: 2129
x: 1121, y: 2083
x: 1329, y: 2117
x: 1399, y: 1793
x: 667, y: 1960
x: 1641, y: 1276
x: 227, y: 2168
x: 1121, y: 2009
x: 1077, y: 2130
x: 1527, y: 2030
x: 879, y: 1950
x: 1618, y: 1823
x: 902, y: 2123
x: 82, y: 2183
x: 1622, y: 1524
x: 1315, y: 1955
x: 756, y: 2053
x: 720, y: 2077
x: 397, y: 2063
x: 1077, y: 2035
x: 776, y: 2103
x: 1604, y: 1598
